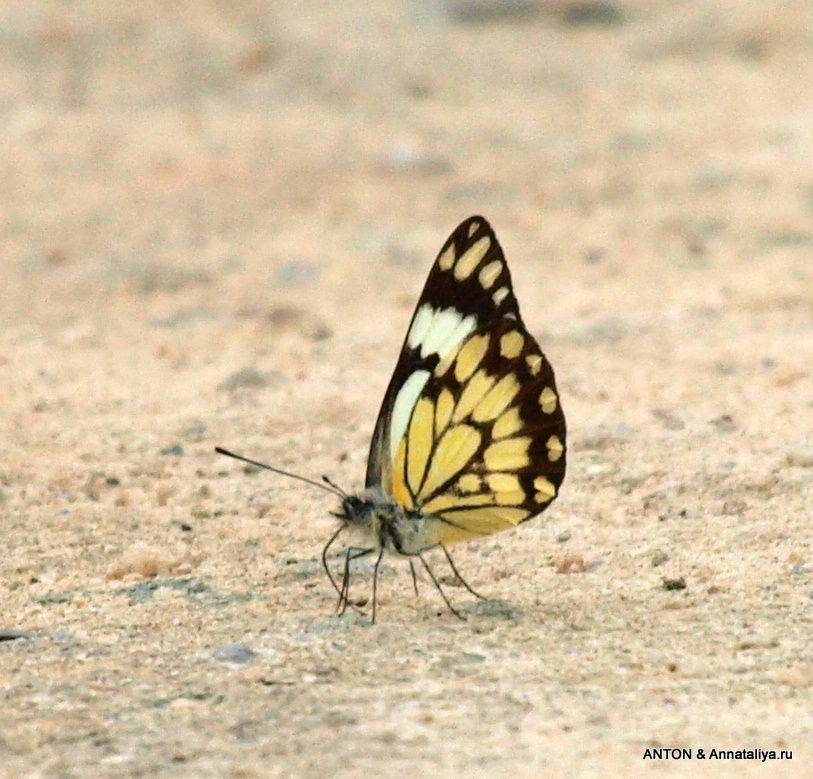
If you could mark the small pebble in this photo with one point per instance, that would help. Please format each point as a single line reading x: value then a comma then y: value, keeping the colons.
x: 659, y: 558
x: 734, y: 507
x: 295, y: 273
x: 801, y: 458
x: 483, y: 11
x: 240, y: 654
x: 10, y: 634
x: 572, y: 563
x: 669, y: 420
x: 176, y: 450
x: 724, y: 423
x: 142, y: 560
x: 579, y: 13
x: 794, y: 677
x: 247, y: 377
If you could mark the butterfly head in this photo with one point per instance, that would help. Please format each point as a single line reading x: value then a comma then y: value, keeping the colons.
x: 355, y: 510
x: 365, y: 511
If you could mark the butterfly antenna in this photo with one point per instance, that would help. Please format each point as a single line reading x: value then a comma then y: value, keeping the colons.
x: 335, y: 486
x: 330, y: 487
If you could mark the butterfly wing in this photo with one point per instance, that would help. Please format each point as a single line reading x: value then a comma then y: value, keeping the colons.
x: 484, y: 448
x: 468, y: 288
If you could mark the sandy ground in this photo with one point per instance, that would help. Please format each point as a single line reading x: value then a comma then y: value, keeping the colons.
x: 214, y: 222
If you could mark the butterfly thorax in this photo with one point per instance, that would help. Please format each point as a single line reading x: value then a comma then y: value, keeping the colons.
x: 382, y: 523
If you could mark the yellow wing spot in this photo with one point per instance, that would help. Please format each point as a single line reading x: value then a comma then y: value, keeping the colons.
x: 490, y: 273
x: 507, y: 455
x: 446, y: 260
x: 443, y: 411
x: 470, y: 482
x: 452, y: 453
x: 486, y: 520
x: 500, y: 295
x: 506, y: 488
x: 473, y: 393
x: 420, y: 442
x: 503, y: 482
x: 399, y: 488
x: 510, y: 422
x: 545, y: 490
x: 442, y: 533
x: 555, y: 448
x: 446, y: 361
x: 470, y: 356
x: 534, y: 363
x: 473, y: 228
x: 514, y: 516
x: 511, y: 344
x: 513, y: 498
x: 497, y: 399
x: 547, y: 399
x: 471, y: 258
x: 446, y: 501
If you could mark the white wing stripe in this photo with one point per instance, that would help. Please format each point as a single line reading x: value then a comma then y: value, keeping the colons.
x: 420, y: 325
x: 460, y: 333
x: 404, y: 404
x: 444, y: 326
x: 434, y: 332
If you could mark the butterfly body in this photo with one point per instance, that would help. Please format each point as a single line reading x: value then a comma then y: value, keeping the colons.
x: 470, y: 438
x: 378, y: 522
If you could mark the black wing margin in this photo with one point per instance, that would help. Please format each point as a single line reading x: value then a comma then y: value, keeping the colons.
x: 469, y: 276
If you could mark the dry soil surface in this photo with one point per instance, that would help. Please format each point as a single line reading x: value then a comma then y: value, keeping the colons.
x: 215, y: 219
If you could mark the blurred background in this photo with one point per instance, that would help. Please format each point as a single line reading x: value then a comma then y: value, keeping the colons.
x: 276, y: 181
x: 153, y: 146
x: 215, y: 218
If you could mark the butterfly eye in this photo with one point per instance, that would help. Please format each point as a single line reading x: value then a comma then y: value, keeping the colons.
x: 353, y: 507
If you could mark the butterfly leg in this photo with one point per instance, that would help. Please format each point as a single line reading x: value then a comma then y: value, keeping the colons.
x: 457, y: 574
x: 344, y: 593
x: 440, y: 589
x: 414, y: 578
x: 353, y: 553
x: 375, y: 578
x: 341, y: 606
x: 324, y: 559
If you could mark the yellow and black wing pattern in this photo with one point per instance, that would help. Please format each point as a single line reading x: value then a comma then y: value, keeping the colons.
x: 471, y: 434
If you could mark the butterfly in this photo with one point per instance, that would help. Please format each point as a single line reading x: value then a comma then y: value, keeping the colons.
x: 470, y: 437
